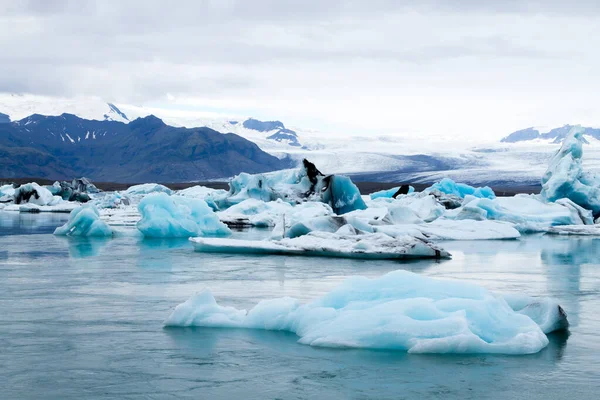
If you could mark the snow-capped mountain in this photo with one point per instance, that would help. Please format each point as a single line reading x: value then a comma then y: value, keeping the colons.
x: 18, y: 106
x: 555, y: 135
x: 146, y: 149
x: 519, y: 159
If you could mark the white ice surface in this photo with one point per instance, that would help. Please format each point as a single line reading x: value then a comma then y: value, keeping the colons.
x: 369, y: 246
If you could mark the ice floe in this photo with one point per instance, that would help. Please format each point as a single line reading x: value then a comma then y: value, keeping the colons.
x: 527, y: 212
x: 344, y: 243
x: 398, y: 311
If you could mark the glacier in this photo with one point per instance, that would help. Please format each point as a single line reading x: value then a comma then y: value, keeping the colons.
x: 84, y: 221
x: 164, y: 216
x: 565, y: 177
x: 397, y: 311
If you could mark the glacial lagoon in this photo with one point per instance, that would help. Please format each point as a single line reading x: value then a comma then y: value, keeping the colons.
x: 83, y: 318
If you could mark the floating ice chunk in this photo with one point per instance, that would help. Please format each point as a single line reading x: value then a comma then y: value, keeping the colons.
x: 448, y: 186
x: 111, y: 200
x: 7, y: 190
x: 426, y: 207
x: 547, y: 313
x: 325, y: 244
x: 176, y: 216
x: 34, y: 194
x: 575, y: 230
x: 443, y: 229
x: 527, y: 212
x: 204, y: 193
x: 84, y: 221
x: 329, y: 224
x: 399, y: 311
x: 147, y: 188
x: 342, y: 195
x: 565, y: 177
x: 388, y: 193
x: 290, y: 185
x: 295, y: 186
x: 252, y: 212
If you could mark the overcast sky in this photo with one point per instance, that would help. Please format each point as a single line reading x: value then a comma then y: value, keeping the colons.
x: 412, y: 67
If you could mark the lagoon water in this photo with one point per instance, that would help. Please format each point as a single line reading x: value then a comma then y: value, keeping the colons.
x: 82, y: 318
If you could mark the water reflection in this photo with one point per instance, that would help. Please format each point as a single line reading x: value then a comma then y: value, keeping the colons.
x: 84, y: 247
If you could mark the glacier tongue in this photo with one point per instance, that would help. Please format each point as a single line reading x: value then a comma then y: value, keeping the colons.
x: 400, y: 311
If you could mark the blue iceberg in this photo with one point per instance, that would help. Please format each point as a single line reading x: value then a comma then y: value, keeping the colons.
x: 165, y: 216
x: 388, y: 193
x: 527, y: 212
x: 84, y: 221
x: 399, y: 311
x: 565, y: 177
x: 448, y: 186
x: 294, y: 186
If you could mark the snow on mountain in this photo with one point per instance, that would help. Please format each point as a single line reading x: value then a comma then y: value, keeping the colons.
x: 18, y: 106
x: 520, y: 158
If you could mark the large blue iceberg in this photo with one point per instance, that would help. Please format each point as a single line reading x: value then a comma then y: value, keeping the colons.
x: 84, y: 221
x: 166, y: 216
x: 565, y: 177
x: 400, y: 311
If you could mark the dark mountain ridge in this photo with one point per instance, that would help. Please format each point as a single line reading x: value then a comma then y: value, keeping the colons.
x: 146, y: 149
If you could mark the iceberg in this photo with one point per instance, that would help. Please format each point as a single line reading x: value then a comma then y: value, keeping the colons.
x: 389, y: 193
x: 175, y: 216
x: 294, y: 186
x: 398, y: 311
x: 84, y: 221
x: 448, y: 186
x: 565, y: 177
x: 6, y: 193
x: 425, y: 206
x: 444, y: 229
x: 34, y: 194
x: 112, y: 200
x: 253, y: 212
x: 147, y: 188
x: 575, y: 230
x: 345, y: 243
x: 204, y: 193
x: 527, y: 212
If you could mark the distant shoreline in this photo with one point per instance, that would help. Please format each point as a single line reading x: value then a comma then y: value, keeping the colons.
x: 364, y: 187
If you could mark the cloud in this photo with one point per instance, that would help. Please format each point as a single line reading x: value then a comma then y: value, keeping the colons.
x: 431, y: 63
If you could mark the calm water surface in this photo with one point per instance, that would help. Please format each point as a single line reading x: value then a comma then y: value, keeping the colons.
x: 82, y: 318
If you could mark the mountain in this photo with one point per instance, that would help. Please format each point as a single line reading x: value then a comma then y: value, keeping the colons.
x: 19, y: 106
x: 146, y: 149
x: 555, y: 135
